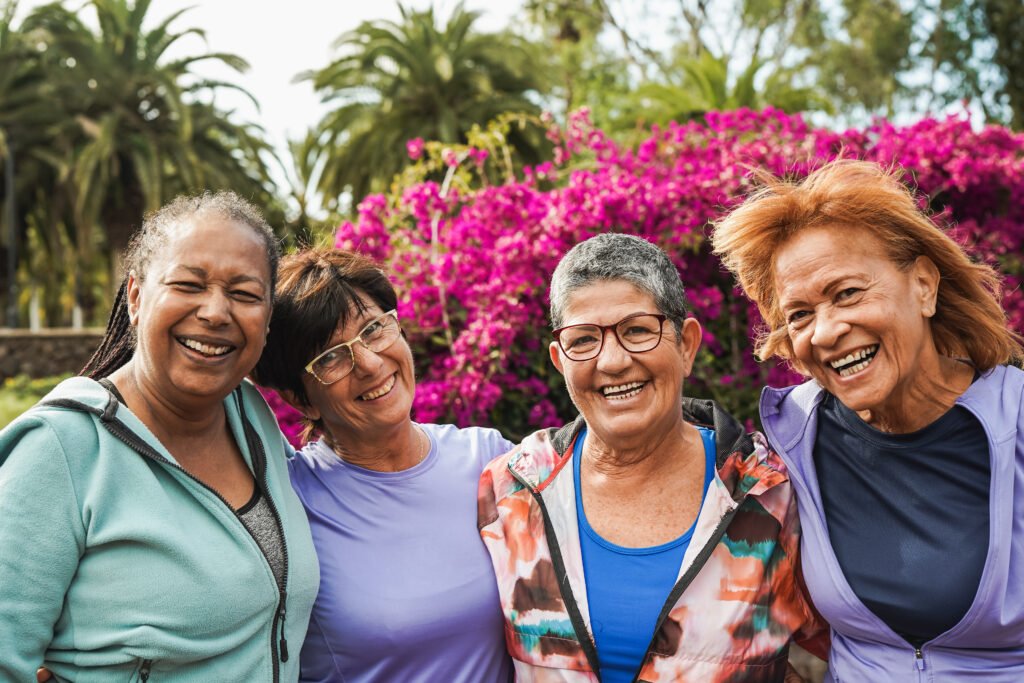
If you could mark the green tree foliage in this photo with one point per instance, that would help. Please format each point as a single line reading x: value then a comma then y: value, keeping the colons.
x: 849, y: 58
x: 118, y: 127
x: 415, y: 78
x: 711, y: 55
x: 1004, y: 20
x: 975, y: 51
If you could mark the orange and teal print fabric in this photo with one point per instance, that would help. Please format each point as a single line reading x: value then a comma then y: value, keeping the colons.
x: 736, y: 606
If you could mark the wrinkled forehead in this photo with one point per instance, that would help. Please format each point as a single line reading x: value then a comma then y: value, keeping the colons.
x: 203, y: 240
x: 605, y: 302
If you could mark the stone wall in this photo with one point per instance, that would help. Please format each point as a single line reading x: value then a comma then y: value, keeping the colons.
x: 46, y: 352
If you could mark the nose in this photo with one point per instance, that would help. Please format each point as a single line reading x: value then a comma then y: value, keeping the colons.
x: 365, y: 361
x: 215, y: 308
x: 613, y: 358
x: 828, y: 328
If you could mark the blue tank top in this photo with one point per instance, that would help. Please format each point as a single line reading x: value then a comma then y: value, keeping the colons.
x: 627, y: 587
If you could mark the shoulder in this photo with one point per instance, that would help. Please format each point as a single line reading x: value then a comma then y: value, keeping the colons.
x: 997, y: 398
x: 59, y: 440
x: 307, y: 459
x: 68, y: 414
x: 480, y: 444
x: 797, y: 397
x: 256, y: 408
x: 531, y: 463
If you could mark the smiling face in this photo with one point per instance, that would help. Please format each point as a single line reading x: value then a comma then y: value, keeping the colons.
x: 858, y: 323
x: 375, y: 397
x: 626, y: 397
x: 201, y: 312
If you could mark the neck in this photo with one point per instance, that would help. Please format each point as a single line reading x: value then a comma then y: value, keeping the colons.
x: 679, y: 447
x: 927, y: 399
x: 168, y: 421
x: 395, y: 450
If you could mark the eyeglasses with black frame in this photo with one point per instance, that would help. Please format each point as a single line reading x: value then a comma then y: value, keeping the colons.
x: 636, y: 333
x: 334, y: 363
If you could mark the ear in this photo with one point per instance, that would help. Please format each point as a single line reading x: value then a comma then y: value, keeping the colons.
x: 689, y: 343
x: 926, y: 276
x: 291, y: 399
x: 134, y: 297
x: 556, y: 356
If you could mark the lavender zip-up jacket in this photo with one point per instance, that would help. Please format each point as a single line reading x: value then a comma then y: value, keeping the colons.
x: 988, y: 643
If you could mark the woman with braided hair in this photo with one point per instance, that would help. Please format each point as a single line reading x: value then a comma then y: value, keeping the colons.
x: 148, y: 500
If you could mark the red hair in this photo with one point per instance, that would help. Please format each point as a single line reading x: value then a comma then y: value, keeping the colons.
x: 845, y: 194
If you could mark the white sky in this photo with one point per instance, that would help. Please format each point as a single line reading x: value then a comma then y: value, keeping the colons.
x: 280, y: 39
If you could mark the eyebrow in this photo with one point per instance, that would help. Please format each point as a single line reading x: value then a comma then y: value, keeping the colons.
x: 830, y: 287
x: 201, y: 272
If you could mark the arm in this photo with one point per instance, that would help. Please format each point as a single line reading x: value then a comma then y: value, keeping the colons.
x: 41, y: 540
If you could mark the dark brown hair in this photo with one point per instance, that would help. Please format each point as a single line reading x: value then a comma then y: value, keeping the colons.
x: 317, y: 290
x: 846, y: 194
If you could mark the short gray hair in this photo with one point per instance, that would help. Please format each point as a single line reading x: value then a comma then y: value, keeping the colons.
x: 614, y: 256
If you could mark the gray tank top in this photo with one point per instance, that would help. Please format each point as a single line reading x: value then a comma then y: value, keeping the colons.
x: 258, y: 518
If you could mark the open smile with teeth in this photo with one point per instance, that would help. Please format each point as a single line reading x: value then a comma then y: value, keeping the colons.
x: 622, y: 391
x: 380, y: 391
x: 853, y: 363
x: 205, y: 349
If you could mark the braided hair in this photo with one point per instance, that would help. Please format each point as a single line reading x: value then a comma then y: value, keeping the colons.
x: 118, y: 344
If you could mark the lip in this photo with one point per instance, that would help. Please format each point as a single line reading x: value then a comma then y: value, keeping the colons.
x: 832, y: 358
x: 839, y: 382
x: 392, y: 379
x: 206, y: 341
x: 623, y: 399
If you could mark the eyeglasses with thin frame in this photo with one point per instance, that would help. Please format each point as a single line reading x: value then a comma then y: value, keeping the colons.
x: 635, y: 333
x: 334, y: 363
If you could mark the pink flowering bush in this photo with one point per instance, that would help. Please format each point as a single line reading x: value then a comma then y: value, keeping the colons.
x: 471, y: 257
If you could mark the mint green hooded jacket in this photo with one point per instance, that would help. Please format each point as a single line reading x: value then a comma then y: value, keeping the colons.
x: 117, y: 565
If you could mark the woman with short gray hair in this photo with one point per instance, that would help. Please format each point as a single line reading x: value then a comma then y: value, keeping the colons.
x: 651, y: 539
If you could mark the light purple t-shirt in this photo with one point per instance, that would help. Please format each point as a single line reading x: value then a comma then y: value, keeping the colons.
x: 407, y: 591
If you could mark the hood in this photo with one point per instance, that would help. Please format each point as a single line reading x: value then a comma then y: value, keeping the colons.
x: 81, y: 393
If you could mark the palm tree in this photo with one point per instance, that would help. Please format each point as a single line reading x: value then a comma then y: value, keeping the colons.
x: 138, y: 126
x: 396, y: 81
x: 28, y: 110
x: 702, y: 84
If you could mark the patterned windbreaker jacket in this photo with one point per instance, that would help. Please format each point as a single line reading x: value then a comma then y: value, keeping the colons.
x: 735, y: 604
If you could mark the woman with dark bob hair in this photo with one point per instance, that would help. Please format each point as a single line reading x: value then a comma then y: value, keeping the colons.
x: 407, y: 593
x: 147, y: 525
x: 907, y: 445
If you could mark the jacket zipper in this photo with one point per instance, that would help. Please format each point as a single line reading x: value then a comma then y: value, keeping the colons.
x: 258, y: 453
x: 564, y: 589
x: 576, y: 618
x: 919, y: 658
x: 147, y: 665
x: 687, y: 579
x: 126, y: 436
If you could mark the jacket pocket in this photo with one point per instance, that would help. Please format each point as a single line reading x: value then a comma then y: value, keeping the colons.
x: 545, y: 649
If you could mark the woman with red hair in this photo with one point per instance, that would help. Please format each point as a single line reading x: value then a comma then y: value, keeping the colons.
x: 906, y: 447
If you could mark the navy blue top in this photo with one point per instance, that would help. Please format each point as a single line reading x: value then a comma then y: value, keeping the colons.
x: 627, y: 587
x: 907, y: 514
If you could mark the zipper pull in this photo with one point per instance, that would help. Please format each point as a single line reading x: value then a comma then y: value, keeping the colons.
x: 147, y: 664
x: 919, y: 659
x: 283, y: 649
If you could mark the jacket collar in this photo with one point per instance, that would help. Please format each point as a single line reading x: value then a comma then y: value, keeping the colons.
x: 743, y: 461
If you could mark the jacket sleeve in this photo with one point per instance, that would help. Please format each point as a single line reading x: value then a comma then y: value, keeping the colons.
x: 813, y: 634
x: 42, y: 538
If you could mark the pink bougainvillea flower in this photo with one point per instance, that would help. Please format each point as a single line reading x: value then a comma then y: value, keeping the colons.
x: 415, y: 148
x: 472, y: 266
